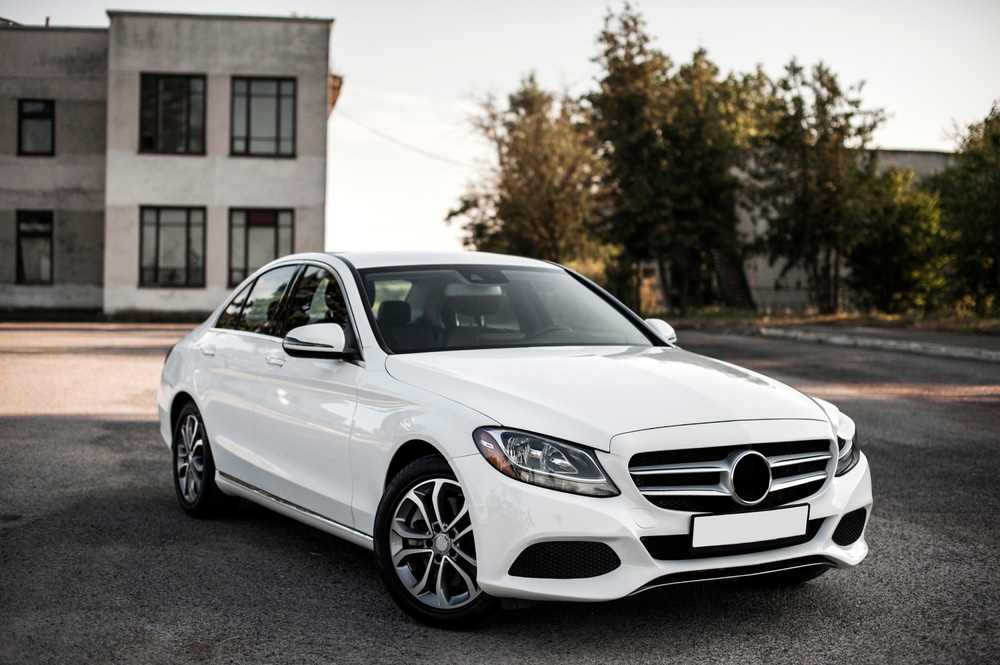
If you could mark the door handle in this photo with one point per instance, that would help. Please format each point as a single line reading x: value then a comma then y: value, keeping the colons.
x: 275, y: 360
x: 208, y: 350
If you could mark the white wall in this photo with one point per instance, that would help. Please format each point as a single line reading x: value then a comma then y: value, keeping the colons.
x: 218, y: 48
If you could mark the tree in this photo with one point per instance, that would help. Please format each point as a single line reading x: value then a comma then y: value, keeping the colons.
x: 897, y: 260
x: 539, y: 196
x: 705, y: 138
x: 628, y: 113
x: 811, y: 173
x: 970, y: 202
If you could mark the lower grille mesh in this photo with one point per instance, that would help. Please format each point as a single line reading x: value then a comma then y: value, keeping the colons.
x: 678, y: 548
x: 851, y: 526
x: 565, y: 560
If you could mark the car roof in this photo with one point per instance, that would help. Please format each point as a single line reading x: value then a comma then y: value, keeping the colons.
x: 365, y: 260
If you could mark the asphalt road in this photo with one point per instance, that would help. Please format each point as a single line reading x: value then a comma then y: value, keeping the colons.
x: 99, y: 565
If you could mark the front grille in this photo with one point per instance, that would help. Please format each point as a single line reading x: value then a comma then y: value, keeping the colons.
x: 678, y: 548
x: 697, y: 480
x: 851, y: 526
x: 565, y: 560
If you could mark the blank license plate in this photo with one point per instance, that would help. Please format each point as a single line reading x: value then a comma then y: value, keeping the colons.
x: 718, y: 530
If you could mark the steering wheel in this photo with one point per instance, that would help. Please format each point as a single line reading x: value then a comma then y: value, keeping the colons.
x: 545, y: 330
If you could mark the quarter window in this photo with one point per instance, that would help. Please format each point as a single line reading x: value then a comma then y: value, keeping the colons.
x: 36, y: 119
x: 257, y: 237
x: 172, y: 114
x: 172, y: 247
x: 34, y: 247
x: 263, y: 117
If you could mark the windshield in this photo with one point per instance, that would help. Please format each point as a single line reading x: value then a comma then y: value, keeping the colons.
x: 461, y: 307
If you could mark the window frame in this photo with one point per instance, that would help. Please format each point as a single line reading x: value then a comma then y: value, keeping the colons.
x: 247, y: 135
x: 245, y: 267
x: 22, y: 115
x: 188, y: 284
x: 22, y: 216
x: 157, y: 137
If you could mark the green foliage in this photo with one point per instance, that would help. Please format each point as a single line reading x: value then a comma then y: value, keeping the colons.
x: 538, y: 198
x: 970, y: 203
x: 811, y: 172
x: 898, y: 258
x: 628, y: 114
x: 672, y: 141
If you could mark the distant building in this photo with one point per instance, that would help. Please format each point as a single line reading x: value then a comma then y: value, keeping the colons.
x: 771, y: 291
x: 150, y: 166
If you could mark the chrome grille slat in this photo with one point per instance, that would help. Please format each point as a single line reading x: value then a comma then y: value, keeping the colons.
x: 795, y: 481
x: 717, y: 490
x: 676, y: 468
x: 698, y: 480
x: 788, y: 460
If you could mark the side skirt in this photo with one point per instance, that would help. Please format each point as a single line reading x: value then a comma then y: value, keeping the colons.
x: 237, y: 487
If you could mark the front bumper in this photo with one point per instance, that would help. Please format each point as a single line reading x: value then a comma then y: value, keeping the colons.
x: 594, y: 549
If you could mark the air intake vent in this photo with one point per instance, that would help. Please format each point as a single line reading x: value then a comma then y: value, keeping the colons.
x: 565, y: 560
x: 851, y: 526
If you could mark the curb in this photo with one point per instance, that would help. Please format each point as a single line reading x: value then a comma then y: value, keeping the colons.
x: 901, y: 346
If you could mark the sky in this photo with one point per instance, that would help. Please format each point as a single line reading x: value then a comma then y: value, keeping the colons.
x: 401, y: 150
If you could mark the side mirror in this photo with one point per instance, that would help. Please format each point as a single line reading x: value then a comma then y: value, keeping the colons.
x: 663, y: 330
x: 319, y: 340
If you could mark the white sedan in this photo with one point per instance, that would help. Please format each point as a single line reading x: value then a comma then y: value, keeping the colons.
x: 501, y: 428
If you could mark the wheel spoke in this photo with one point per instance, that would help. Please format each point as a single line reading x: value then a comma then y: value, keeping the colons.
x: 471, y: 590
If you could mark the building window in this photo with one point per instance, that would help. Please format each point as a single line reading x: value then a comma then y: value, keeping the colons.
x: 36, y: 122
x: 172, y: 114
x: 256, y: 237
x: 34, y: 247
x: 172, y: 247
x: 263, y: 117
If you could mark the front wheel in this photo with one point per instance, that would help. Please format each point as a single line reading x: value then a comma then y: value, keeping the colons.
x: 426, y: 550
x: 194, y: 468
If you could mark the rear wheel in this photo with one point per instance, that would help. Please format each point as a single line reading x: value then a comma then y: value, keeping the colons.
x: 426, y: 549
x: 194, y: 468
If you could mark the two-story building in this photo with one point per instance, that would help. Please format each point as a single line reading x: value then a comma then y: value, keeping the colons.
x: 150, y: 166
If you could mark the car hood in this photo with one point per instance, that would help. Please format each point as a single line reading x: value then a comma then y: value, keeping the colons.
x: 588, y: 395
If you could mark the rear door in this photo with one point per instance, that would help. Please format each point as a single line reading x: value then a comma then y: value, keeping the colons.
x: 233, y: 353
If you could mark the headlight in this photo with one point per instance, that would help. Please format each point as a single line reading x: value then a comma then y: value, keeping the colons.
x: 544, y: 462
x: 849, y: 452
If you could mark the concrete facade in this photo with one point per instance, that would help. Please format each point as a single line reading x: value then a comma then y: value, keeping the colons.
x: 101, y: 179
x: 68, y: 67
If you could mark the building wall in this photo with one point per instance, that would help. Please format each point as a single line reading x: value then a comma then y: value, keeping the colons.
x: 68, y: 66
x: 773, y: 292
x: 218, y: 48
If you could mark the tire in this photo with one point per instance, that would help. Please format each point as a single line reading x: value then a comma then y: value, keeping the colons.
x: 425, y: 548
x: 194, y: 467
x: 790, y: 578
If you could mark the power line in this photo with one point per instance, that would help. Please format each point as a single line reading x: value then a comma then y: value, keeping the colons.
x: 404, y: 144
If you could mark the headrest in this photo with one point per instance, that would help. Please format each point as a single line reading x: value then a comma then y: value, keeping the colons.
x: 394, y: 313
x: 474, y: 305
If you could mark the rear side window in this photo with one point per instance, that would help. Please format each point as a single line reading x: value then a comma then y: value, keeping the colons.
x: 259, y: 311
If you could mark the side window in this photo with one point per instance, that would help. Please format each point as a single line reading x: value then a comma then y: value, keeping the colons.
x: 36, y: 121
x: 317, y: 299
x: 260, y: 310
x: 230, y: 317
